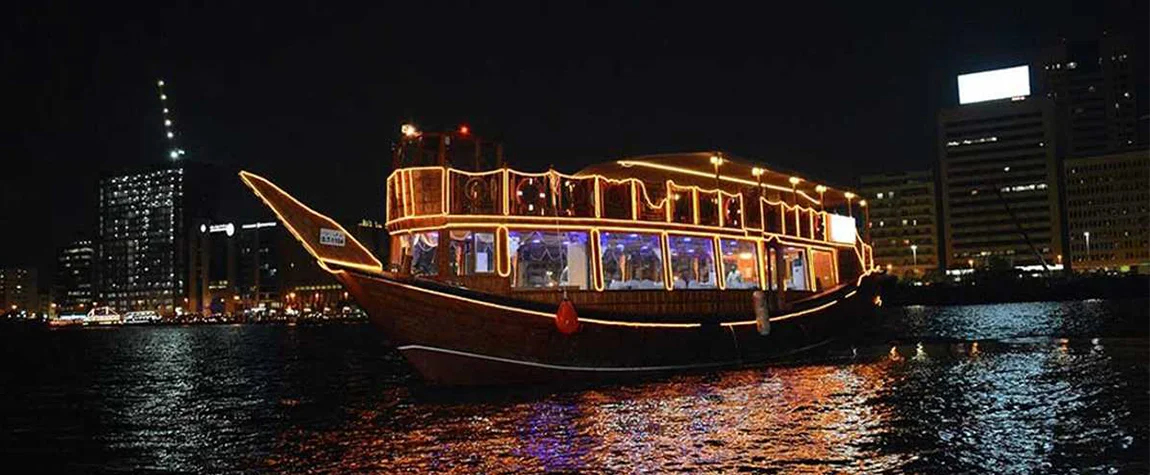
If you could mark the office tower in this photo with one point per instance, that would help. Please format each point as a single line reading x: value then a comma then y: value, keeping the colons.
x: 145, y: 219
x: 18, y: 290
x: 1093, y: 89
x: 1108, y: 211
x: 903, y: 221
x: 75, y: 277
x: 237, y: 267
x: 999, y: 174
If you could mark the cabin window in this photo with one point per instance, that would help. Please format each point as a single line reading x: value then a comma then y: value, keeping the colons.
x: 773, y: 218
x: 423, y: 250
x: 771, y: 265
x: 823, y: 265
x: 542, y: 259
x: 682, y: 206
x: 692, y: 262
x: 472, y: 253
x: 400, y: 249
x: 795, y: 268
x: 740, y: 263
x: 708, y: 208
x: 631, y: 261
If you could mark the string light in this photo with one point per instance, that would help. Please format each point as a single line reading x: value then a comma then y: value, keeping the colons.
x: 174, y: 152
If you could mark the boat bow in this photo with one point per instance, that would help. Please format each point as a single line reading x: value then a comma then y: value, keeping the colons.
x: 323, y: 238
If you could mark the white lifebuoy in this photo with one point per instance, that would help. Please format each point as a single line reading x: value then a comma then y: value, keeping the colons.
x: 762, y: 312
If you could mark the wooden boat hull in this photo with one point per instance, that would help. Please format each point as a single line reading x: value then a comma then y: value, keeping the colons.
x: 452, y: 337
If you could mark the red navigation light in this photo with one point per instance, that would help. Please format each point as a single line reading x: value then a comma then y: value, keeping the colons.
x: 464, y: 130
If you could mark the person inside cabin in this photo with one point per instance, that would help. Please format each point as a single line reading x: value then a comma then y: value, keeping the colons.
x: 734, y: 278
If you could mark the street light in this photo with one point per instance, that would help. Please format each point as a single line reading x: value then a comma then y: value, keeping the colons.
x: 794, y: 181
x: 821, y: 190
x: 850, y: 196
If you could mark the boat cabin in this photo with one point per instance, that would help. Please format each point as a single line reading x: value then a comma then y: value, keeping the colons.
x: 661, y: 228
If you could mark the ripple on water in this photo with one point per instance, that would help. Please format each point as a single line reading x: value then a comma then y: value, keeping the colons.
x: 1021, y: 399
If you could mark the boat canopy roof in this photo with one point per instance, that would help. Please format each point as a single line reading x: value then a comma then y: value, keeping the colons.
x: 736, y: 174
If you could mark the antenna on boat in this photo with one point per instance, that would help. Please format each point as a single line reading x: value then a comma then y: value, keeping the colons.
x: 174, y: 150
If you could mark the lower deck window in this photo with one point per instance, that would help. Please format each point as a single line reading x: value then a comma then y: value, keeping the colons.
x: 631, y: 261
x: 692, y: 262
x: 423, y: 249
x: 823, y: 265
x: 795, y: 268
x: 740, y: 264
x: 541, y: 259
x: 400, y: 249
x: 472, y: 253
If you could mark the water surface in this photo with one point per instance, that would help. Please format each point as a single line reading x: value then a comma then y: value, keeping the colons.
x: 1009, y: 388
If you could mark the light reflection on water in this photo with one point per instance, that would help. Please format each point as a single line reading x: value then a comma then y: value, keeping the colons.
x: 1045, y: 393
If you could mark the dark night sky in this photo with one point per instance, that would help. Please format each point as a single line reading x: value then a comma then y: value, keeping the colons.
x: 312, y: 96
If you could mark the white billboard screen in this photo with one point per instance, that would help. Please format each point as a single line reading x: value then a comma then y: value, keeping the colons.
x: 842, y: 228
x: 996, y: 84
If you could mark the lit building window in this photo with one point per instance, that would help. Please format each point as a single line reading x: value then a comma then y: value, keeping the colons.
x: 692, y: 262
x: 631, y: 261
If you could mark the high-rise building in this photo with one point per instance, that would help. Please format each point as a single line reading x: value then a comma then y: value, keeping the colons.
x: 1108, y: 211
x: 18, y: 290
x: 1092, y: 84
x: 236, y: 267
x: 903, y: 221
x: 145, y: 219
x: 75, y: 277
x: 998, y: 171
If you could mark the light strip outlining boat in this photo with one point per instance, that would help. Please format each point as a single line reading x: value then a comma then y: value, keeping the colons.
x: 634, y: 267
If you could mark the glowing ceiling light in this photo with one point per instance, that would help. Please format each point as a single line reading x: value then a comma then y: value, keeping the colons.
x: 409, y: 130
x: 821, y: 189
x: 716, y: 160
x: 160, y: 83
x: 756, y: 171
x: 464, y: 129
x: 849, y: 195
x: 794, y: 180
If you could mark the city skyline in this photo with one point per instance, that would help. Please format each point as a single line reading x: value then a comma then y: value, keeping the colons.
x: 244, y: 99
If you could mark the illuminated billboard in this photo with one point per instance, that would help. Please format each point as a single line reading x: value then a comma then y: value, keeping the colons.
x: 842, y: 228
x: 996, y: 84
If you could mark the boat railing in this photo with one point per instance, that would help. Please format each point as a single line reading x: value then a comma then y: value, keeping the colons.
x: 431, y: 192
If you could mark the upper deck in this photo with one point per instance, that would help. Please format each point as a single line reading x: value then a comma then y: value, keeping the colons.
x: 680, y: 221
x: 661, y: 193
